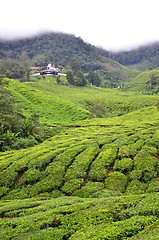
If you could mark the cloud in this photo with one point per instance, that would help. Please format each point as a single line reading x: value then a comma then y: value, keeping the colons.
x: 113, y: 24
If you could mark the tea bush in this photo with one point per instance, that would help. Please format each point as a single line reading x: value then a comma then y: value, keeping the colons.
x: 104, y: 160
x: 136, y: 187
x: 124, y: 165
x: 88, y: 190
x: 116, y: 181
x: 80, y: 218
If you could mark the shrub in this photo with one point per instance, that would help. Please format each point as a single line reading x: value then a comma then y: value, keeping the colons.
x: 124, y: 165
x: 116, y: 181
x: 135, y: 187
x: 3, y: 191
x: 68, y: 156
x: 153, y: 186
x: 146, y: 164
x: 21, y: 143
x: 79, y: 167
x: 135, y: 174
x: 155, y: 138
x: 71, y: 186
x: 104, y: 193
x: 31, y: 176
x: 149, y: 150
x: 104, y: 160
x: 87, y: 190
x: 18, y: 193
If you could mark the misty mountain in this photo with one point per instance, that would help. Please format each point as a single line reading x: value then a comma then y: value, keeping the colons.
x: 56, y: 47
x: 142, y: 58
x: 60, y: 48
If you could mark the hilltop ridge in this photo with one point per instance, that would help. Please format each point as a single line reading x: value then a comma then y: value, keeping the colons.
x: 61, y: 48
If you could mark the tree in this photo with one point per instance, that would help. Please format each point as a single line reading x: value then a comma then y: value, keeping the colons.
x: 74, y: 65
x: 11, y: 68
x: 93, y: 77
x: 25, y: 63
x: 10, y: 117
x: 70, y: 77
x: 14, y: 126
x: 80, y: 79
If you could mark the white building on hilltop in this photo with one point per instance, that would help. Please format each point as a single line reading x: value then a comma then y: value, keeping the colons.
x: 50, y: 70
x: 51, y: 66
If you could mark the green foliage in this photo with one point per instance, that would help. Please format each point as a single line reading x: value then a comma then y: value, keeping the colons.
x: 116, y: 181
x: 88, y: 190
x: 104, y: 160
x: 78, y: 158
x: 124, y: 217
x: 94, y: 78
x: 80, y: 79
x: 16, y: 131
x: 80, y: 183
x: 71, y: 186
x: 74, y: 65
x: 146, y: 164
x: 125, y: 165
x: 136, y: 187
x: 143, y: 58
x: 153, y: 186
x: 11, y: 68
x: 145, y: 82
x: 70, y: 77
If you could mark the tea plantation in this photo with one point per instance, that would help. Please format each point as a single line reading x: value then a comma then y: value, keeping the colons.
x: 97, y: 178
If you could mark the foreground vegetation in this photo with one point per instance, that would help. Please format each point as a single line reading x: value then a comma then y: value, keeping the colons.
x: 88, y: 159
x: 129, y: 217
x: 97, y: 174
x: 98, y: 179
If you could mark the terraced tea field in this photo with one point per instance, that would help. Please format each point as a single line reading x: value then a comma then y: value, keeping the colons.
x: 98, y: 178
x: 90, y: 159
x: 61, y: 105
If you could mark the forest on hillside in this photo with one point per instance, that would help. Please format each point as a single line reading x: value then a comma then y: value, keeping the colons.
x: 60, y: 49
x: 142, y: 58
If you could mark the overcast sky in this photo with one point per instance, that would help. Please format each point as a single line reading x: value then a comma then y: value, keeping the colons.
x: 112, y: 24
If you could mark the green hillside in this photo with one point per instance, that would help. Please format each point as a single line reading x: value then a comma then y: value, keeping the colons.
x: 143, y: 58
x: 60, y: 48
x: 147, y: 82
x: 58, y: 104
x: 81, y: 183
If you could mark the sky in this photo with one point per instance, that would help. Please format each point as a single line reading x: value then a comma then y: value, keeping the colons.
x: 111, y: 24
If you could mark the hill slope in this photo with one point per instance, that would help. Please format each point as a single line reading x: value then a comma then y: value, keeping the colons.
x: 142, y: 58
x: 93, y: 169
x: 60, y: 49
x: 88, y: 159
x: 58, y: 104
x: 97, y: 178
